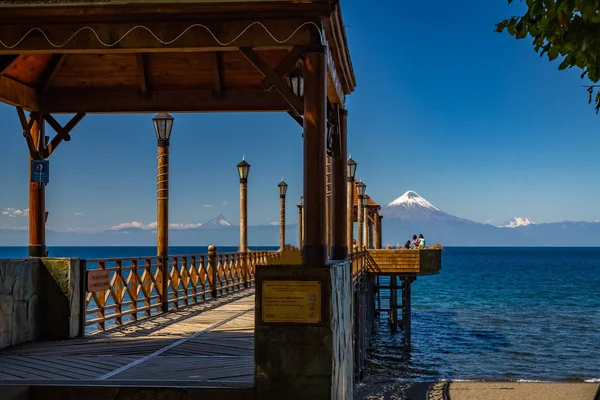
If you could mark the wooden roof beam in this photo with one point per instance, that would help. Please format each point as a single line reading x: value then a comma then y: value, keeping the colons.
x: 27, y: 125
x: 62, y: 133
x: 84, y: 100
x: 6, y: 61
x: 285, y: 66
x: 142, y: 66
x: 286, y: 92
x: 18, y: 95
x: 51, y: 71
x: 135, y: 37
x: 217, y: 70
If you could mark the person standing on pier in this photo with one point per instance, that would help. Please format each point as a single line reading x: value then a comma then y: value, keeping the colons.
x: 415, y: 242
x: 422, y: 243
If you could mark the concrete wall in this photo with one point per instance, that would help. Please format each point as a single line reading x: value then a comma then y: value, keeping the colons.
x: 40, y: 299
x: 20, y: 293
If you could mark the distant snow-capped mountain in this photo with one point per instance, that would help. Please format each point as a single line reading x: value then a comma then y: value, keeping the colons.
x: 517, y: 222
x: 410, y: 206
x: 217, y: 222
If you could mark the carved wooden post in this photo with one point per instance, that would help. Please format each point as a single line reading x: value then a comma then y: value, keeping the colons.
x: 365, y: 231
x: 243, y: 171
x: 377, y: 229
x: 212, y: 272
x: 339, y: 249
x: 314, y: 250
x: 281, y: 222
x: 37, y: 194
x: 163, y: 220
x: 282, y: 188
x: 359, y: 222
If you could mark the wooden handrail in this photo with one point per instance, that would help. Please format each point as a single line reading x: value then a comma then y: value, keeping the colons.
x: 136, y: 284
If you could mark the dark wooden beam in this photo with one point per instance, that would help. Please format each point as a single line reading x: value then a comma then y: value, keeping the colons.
x: 135, y: 39
x: 27, y: 125
x: 142, y: 65
x: 294, y: 101
x: 217, y: 70
x: 285, y: 66
x: 73, y: 100
x: 297, y: 118
x: 51, y: 71
x: 62, y: 133
x: 6, y: 61
x: 18, y: 95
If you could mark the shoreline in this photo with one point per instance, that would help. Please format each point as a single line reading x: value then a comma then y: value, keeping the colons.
x: 477, y: 390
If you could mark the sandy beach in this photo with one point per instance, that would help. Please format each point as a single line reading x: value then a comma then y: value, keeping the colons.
x: 478, y: 391
x: 523, y: 390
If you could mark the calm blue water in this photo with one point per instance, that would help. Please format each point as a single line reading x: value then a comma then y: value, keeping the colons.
x: 492, y: 313
x: 500, y: 314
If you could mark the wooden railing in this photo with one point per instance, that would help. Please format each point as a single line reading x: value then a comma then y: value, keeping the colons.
x: 359, y: 263
x: 135, y: 290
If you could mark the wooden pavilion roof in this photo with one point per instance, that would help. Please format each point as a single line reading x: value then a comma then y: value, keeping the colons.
x: 125, y: 56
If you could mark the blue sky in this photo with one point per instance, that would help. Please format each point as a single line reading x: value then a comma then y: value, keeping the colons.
x: 472, y: 120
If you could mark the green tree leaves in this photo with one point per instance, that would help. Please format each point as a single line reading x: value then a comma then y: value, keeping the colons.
x: 568, y: 28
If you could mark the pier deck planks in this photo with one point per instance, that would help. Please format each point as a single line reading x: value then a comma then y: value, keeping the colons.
x: 210, y: 344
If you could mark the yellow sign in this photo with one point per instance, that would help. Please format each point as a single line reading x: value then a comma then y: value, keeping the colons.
x: 291, y: 301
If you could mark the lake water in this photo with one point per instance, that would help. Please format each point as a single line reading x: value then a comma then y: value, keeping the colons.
x: 491, y: 314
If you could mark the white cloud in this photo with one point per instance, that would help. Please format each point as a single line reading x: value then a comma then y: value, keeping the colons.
x: 207, y: 205
x: 489, y: 222
x: 517, y: 222
x: 274, y: 223
x: 184, y: 226
x: 78, y: 214
x: 153, y: 225
x: 14, y: 228
x: 15, y: 212
x: 127, y: 225
x: 224, y: 202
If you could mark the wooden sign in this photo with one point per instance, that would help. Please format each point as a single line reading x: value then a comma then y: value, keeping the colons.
x: 291, y: 302
x: 98, y: 281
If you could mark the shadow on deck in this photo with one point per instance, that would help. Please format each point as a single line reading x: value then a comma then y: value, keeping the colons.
x: 208, y: 348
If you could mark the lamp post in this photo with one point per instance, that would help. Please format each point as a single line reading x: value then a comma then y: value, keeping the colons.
x: 361, y: 188
x: 163, y: 123
x: 350, y: 174
x: 282, y: 188
x: 243, y: 171
x: 366, y: 226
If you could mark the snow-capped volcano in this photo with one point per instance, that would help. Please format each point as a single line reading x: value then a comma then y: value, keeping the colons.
x: 411, y: 206
x: 217, y: 222
x: 516, y: 222
x: 412, y: 199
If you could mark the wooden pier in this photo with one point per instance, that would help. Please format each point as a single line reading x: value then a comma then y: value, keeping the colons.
x: 180, y: 323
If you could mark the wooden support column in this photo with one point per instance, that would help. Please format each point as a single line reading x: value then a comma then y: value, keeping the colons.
x: 377, y: 231
x: 393, y: 312
x: 37, y: 191
x: 406, y: 310
x: 359, y: 222
x: 300, y: 227
x: 314, y: 250
x: 379, y: 240
x: 339, y: 249
x: 328, y: 204
x: 365, y: 231
x: 370, y: 244
x: 162, y: 230
x: 281, y: 222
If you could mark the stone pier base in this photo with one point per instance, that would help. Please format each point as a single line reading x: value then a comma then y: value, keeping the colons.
x: 303, y: 340
x: 40, y: 299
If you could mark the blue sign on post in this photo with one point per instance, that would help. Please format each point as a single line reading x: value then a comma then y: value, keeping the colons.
x: 40, y: 171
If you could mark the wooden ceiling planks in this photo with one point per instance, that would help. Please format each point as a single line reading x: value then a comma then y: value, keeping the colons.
x: 191, y: 68
x: 27, y: 68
